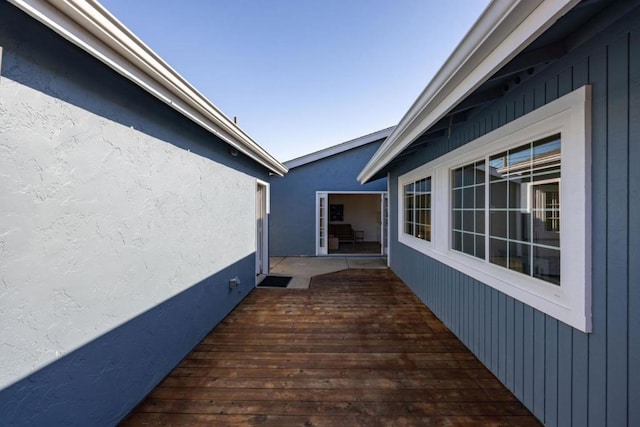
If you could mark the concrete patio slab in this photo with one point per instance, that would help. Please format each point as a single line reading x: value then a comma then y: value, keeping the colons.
x: 302, y: 269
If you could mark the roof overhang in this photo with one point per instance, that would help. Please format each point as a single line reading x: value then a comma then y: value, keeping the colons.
x: 504, y: 29
x: 340, y: 148
x: 90, y: 26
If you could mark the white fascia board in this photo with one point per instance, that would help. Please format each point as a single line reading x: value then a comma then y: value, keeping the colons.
x: 340, y: 148
x: 505, y: 28
x: 90, y: 26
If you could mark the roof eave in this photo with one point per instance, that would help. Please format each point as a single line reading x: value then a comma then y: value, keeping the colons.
x: 90, y: 26
x: 337, y: 149
x: 503, y: 30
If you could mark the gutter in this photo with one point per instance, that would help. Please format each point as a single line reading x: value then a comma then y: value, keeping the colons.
x: 504, y: 29
x: 91, y: 27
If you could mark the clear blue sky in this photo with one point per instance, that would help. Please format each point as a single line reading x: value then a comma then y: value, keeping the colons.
x: 303, y: 75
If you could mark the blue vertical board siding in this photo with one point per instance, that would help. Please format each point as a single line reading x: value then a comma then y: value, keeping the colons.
x: 551, y: 372
x: 617, y: 222
x: 510, y: 343
x: 598, y: 337
x: 539, y: 344
x: 578, y: 389
x: 564, y: 376
x: 634, y: 228
x: 518, y: 350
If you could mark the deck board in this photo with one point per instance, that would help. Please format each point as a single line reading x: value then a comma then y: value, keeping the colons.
x: 355, y: 349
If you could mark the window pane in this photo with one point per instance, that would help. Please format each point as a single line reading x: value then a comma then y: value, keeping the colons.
x: 519, y: 226
x: 519, y: 258
x: 468, y: 175
x: 457, y: 220
x: 480, y: 172
x: 518, y: 191
x: 519, y: 158
x: 457, y: 177
x: 498, y: 224
x: 480, y: 247
x: 408, y: 228
x: 468, y: 197
x: 498, y: 194
x: 498, y: 252
x: 467, y: 221
x: 468, y: 244
x: 456, y: 244
x: 546, y: 213
x: 547, y: 151
x: 480, y: 196
x: 457, y: 199
x: 480, y: 222
x: 546, y: 264
x: 497, y: 166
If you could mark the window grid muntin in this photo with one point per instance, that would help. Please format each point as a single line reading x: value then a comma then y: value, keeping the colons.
x: 417, y: 208
x: 518, y: 253
x: 468, y: 231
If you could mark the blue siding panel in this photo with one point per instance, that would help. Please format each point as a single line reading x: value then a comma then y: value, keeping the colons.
x: 518, y: 350
x: 539, y: 363
x: 598, y: 338
x: 551, y: 372
x: 564, y: 376
x: 565, y: 373
x: 579, y: 387
x: 634, y: 228
x: 617, y: 236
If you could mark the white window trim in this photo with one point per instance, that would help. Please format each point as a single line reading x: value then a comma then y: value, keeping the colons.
x: 570, y: 116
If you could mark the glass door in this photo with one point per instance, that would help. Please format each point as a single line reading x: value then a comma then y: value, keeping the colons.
x: 322, y: 223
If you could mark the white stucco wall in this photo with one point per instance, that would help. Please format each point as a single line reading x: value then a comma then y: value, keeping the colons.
x: 100, y: 222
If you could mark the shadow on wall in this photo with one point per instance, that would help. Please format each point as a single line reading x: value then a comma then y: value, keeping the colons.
x: 101, y: 382
x: 37, y: 57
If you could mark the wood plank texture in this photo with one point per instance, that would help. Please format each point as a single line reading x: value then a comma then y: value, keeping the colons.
x: 358, y: 348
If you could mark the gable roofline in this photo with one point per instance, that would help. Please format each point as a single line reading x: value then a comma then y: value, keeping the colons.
x: 503, y: 30
x: 91, y: 27
x: 337, y: 149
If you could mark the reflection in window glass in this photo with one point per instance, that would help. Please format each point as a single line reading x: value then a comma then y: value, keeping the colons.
x: 524, y: 212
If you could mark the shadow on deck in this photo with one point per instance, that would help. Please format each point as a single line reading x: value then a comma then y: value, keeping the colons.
x: 356, y: 349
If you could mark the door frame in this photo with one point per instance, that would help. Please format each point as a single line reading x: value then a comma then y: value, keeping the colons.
x: 324, y: 240
x: 263, y: 207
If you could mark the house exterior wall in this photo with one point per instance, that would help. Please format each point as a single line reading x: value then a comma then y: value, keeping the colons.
x: 565, y: 377
x: 293, y: 198
x: 121, y: 224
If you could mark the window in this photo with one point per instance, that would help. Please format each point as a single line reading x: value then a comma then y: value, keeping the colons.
x: 417, y: 209
x: 468, y: 196
x: 524, y: 197
x: 510, y: 209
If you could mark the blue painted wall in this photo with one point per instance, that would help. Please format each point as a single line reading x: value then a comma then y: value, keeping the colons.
x: 100, y: 382
x: 565, y: 377
x: 293, y: 198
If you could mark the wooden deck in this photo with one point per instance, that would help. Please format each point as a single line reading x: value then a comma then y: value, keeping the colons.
x: 356, y: 349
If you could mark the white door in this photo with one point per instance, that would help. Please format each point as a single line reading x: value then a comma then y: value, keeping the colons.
x: 385, y: 223
x: 322, y: 223
x: 262, y: 262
